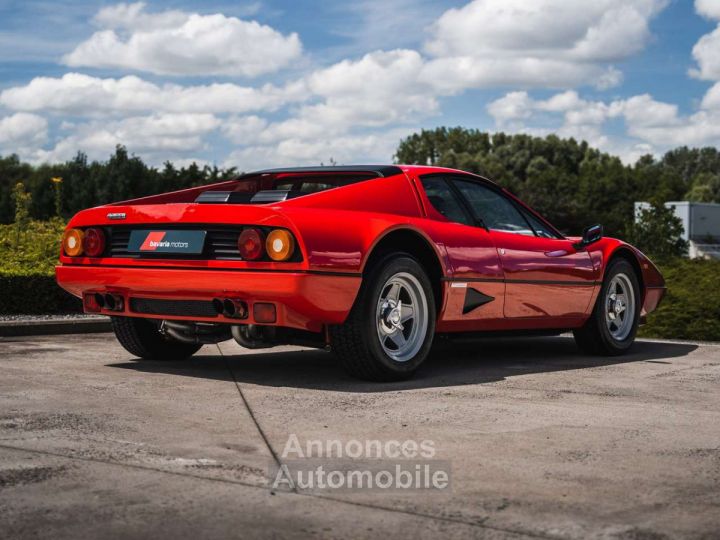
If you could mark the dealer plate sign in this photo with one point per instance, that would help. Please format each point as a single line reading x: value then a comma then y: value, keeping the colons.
x: 188, y: 242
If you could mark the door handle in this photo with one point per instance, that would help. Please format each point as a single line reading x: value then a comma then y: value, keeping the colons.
x: 556, y: 253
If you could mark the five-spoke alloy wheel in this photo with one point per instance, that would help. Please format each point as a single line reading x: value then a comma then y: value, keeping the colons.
x: 611, y: 328
x: 390, y: 329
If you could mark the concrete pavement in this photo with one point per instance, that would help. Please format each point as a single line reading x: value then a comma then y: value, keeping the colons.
x: 542, y: 442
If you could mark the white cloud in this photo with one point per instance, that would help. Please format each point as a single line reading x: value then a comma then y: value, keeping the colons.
x: 346, y: 149
x: 356, y: 109
x: 708, y: 8
x: 545, y: 43
x: 21, y: 131
x: 147, y: 135
x: 75, y: 93
x: 180, y: 43
x: 706, y: 51
x: 652, y: 126
x: 243, y: 129
x: 382, y: 87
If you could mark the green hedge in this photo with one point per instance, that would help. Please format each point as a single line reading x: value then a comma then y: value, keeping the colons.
x: 691, y: 307
x: 34, y: 294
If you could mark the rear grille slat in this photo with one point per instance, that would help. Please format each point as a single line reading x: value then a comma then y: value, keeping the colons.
x: 219, y: 243
x: 178, y: 308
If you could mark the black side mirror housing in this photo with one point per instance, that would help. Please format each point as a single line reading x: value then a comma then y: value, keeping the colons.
x: 590, y: 235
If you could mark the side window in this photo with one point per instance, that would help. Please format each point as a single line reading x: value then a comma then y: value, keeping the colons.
x: 444, y: 200
x: 542, y: 230
x: 496, y: 212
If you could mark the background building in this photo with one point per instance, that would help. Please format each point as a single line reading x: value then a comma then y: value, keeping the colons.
x: 701, y: 225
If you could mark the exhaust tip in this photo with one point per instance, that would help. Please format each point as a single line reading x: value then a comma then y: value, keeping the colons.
x: 110, y: 302
x: 100, y: 300
x: 218, y: 306
x: 229, y: 308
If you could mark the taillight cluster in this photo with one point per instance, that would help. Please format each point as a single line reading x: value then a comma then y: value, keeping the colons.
x: 279, y: 244
x: 90, y: 242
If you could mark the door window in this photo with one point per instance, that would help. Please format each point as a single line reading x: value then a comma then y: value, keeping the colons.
x: 541, y: 230
x: 496, y: 211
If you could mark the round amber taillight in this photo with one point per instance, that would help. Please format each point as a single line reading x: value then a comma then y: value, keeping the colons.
x: 280, y: 245
x: 250, y: 244
x: 73, y: 242
x: 94, y: 242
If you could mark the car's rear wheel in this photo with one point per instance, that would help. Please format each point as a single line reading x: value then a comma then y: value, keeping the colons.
x: 389, y: 331
x: 611, y: 328
x: 142, y: 338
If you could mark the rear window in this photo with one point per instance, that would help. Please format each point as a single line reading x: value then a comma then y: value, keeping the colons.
x: 265, y: 188
x: 313, y: 184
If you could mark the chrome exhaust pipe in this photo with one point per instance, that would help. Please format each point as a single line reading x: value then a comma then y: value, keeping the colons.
x: 113, y: 302
x: 231, y: 308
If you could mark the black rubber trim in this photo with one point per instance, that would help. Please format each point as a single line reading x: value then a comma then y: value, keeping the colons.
x: 553, y: 282
x: 378, y: 170
x: 523, y: 281
x: 264, y: 270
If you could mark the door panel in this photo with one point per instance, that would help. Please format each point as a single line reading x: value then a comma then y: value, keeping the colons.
x: 475, y: 288
x: 545, y: 277
x: 476, y: 292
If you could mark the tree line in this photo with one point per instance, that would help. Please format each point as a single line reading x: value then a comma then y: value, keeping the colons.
x: 569, y: 182
x: 63, y: 189
x: 572, y: 184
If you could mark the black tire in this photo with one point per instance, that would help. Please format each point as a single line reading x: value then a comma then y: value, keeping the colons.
x: 142, y: 338
x: 595, y: 337
x: 357, y: 342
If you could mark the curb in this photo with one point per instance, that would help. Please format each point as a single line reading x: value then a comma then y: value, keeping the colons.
x: 69, y: 326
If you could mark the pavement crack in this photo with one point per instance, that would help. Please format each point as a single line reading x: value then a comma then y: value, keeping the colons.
x: 250, y: 411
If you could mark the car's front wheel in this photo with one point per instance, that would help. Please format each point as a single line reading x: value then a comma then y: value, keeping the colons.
x: 142, y: 338
x: 390, y: 329
x: 611, y: 328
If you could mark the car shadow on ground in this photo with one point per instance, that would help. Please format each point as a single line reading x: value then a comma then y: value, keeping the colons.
x: 454, y: 363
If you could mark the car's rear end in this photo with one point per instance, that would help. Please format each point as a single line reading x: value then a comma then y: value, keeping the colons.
x: 202, y: 261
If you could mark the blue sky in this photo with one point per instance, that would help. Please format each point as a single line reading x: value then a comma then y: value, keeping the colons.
x: 274, y: 83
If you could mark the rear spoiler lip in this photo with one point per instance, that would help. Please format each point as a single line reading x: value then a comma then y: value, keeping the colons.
x: 380, y: 171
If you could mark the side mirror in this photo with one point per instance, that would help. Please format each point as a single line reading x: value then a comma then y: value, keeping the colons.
x: 590, y: 235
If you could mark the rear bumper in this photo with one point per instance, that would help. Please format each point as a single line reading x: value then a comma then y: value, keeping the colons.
x: 304, y: 300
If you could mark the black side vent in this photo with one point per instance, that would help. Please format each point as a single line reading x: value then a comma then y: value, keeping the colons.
x: 270, y: 196
x: 223, y: 197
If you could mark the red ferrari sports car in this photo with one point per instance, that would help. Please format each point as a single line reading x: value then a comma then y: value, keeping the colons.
x: 370, y: 261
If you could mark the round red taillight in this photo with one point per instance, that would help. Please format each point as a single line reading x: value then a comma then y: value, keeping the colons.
x: 250, y: 244
x: 94, y: 242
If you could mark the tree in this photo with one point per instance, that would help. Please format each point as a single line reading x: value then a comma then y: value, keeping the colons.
x: 657, y: 232
x: 705, y: 188
x: 22, y: 210
x: 57, y: 184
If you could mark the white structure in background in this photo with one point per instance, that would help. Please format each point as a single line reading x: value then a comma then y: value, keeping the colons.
x: 701, y: 225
